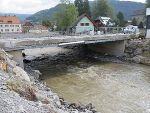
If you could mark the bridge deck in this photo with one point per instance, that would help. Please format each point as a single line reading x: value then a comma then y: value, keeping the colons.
x: 26, y: 43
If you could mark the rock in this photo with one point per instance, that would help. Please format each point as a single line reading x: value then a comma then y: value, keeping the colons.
x: 21, y: 73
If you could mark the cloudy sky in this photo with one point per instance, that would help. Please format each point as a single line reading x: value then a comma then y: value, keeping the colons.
x: 30, y: 6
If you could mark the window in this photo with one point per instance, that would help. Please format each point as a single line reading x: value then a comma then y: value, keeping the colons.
x: 12, y: 30
x: 82, y: 24
x: 7, y: 30
x: 6, y: 25
x: 1, y: 25
x: 86, y: 24
x: 17, y: 25
x: 1, y: 30
x: 11, y: 25
x: 17, y: 29
x: 9, y: 21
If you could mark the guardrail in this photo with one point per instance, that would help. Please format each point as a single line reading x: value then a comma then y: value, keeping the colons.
x: 99, y: 31
x: 110, y: 30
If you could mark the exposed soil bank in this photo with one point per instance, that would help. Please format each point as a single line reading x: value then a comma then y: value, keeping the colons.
x: 22, y: 92
x: 138, y: 51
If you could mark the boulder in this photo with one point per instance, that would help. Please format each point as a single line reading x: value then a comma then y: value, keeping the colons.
x: 21, y: 73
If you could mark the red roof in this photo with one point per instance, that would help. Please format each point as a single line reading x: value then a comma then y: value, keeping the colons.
x: 9, y: 20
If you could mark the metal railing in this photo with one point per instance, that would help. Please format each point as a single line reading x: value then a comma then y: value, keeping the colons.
x: 110, y: 30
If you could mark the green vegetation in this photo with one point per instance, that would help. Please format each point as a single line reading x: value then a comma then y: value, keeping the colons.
x: 66, y: 16
x: 101, y: 8
x: 147, y: 3
x: 126, y: 7
x: 141, y: 26
x: 134, y: 22
x: 120, y: 19
x: 83, y: 7
x: 47, y: 23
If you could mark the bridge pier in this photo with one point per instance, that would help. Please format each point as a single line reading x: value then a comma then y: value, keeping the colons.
x: 116, y: 48
x: 17, y: 56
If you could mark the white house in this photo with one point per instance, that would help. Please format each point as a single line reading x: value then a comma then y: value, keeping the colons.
x: 38, y: 29
x: 106, y: 21
x: 10, y: 24
x: 84, y: 24
x: 148, y: 23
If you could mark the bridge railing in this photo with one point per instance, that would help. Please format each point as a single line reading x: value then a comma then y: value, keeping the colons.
x: 110, y: 30
x: 100, y: 31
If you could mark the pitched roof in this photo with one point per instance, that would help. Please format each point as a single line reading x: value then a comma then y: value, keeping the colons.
x: 79, y: 18
x: 104, y: 20
x: 9, y: 20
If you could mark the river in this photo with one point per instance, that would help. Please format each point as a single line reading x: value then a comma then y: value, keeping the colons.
x: 112, y: 87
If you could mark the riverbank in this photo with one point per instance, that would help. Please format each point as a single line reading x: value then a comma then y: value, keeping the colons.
x: 138, y: 51
x: 111, y: 85
x: 18, y: 86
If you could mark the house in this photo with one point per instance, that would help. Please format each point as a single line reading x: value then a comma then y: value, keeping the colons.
x: 103, y: 21
x: 139, y: 15
x: 84, y: 24
x: 10, y: 24
x: 148, y: 23
x: 27, y: 25
x: 38, y: 29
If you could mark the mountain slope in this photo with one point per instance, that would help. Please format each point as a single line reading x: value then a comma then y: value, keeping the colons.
x: 44, y: 14
x: 126, y: 7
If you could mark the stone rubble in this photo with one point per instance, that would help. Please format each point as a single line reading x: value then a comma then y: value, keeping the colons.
x: 22, y: 93
x: 138, y: 51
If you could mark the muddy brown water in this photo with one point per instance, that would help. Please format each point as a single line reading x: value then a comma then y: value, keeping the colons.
x: 110, y: 87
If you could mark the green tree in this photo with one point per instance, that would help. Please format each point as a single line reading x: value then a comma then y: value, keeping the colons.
x: 147, y: 3
x: 102, y: 8
x: 134, y: 22
x: 66, y: 16
x: 141, y: 26
x: 121, y: 20
x: 86, y: 7
x: 83, y: 7
x: 47, y: 23
x: 79, y: 5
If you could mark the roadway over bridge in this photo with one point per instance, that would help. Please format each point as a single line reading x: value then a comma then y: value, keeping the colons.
x: 10, y: 44
x: 113, y: 44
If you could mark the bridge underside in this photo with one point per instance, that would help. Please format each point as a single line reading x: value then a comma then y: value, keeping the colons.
x: 115, y: 48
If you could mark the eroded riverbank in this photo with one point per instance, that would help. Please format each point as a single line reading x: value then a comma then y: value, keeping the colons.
x: 111, y: 85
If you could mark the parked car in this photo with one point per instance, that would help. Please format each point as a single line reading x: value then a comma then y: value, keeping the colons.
x: 131, y: 30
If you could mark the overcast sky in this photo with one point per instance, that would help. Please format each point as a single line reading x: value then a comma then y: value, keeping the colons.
x: 30, y: 6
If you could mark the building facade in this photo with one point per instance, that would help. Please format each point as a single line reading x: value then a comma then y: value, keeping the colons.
x: 10, y: 24
x: 84, y: 24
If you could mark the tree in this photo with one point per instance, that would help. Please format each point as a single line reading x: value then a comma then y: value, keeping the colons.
x: 102, y: 8
x: 134, y: 22
x: 79, y: 5
x: 83, y: 7
x: 46, y: 23
x: 66, y: 16
x: 86, y: 7
x: 120, y: 18
x: 147, y: 3
x: 141, y: 26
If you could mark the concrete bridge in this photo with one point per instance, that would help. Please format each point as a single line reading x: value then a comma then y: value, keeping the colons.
x: 113, y: 44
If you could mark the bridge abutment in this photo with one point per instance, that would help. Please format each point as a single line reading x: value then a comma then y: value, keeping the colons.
x: 17, y: 56
x: 115, y: 48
